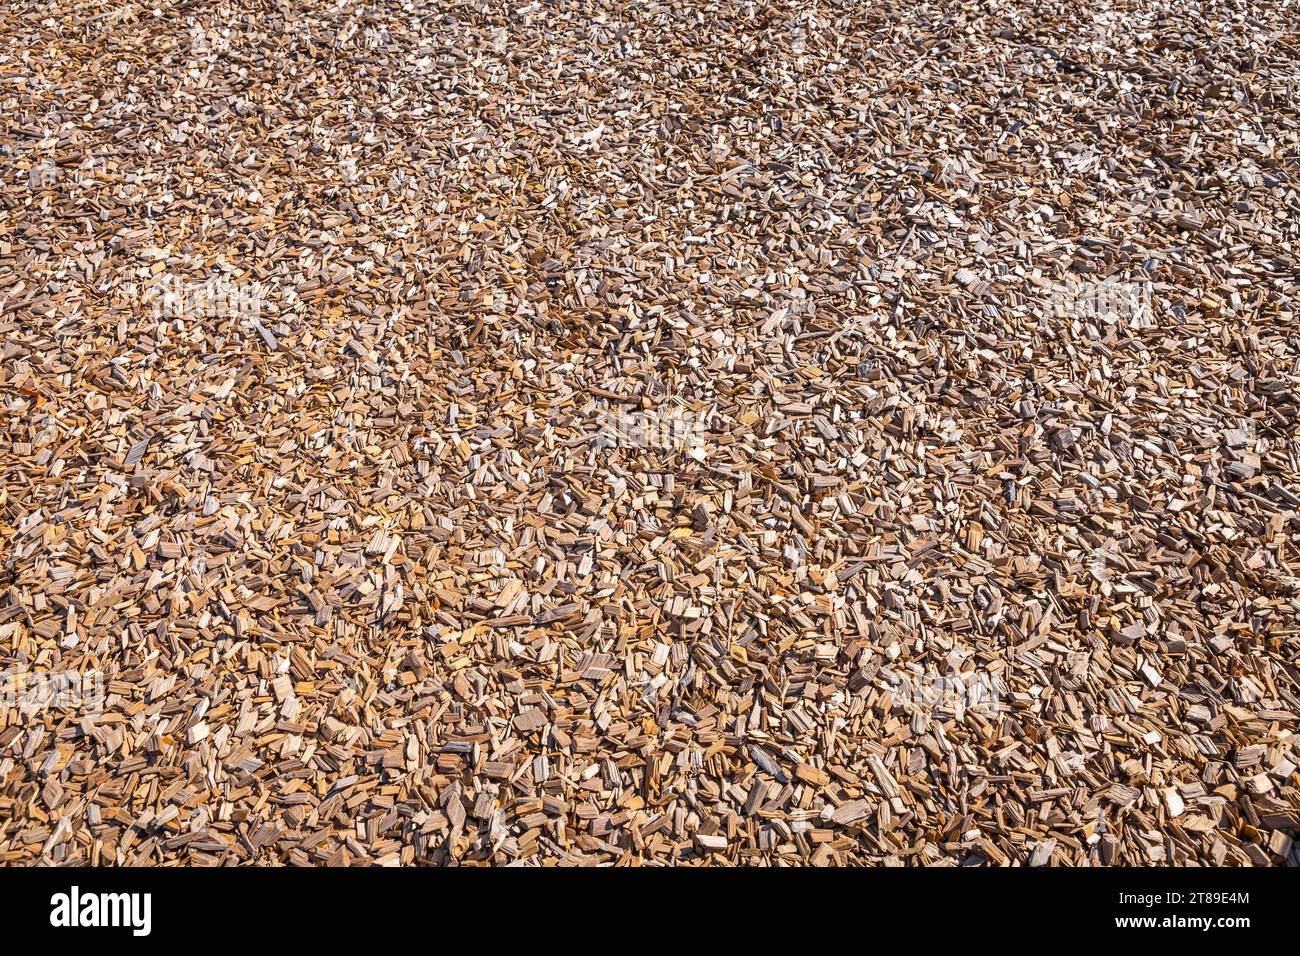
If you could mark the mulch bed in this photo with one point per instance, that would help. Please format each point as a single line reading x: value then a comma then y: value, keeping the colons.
x: 650, y: 433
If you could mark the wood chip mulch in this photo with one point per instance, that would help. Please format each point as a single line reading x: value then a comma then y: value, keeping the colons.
x: 650, y: 433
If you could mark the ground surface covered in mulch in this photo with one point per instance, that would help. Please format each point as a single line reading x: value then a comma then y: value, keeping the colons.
x: 662, y: 433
